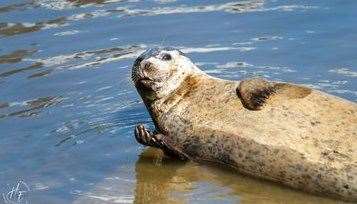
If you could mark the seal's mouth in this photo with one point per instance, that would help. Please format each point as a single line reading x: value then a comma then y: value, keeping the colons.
x: 146, y: 82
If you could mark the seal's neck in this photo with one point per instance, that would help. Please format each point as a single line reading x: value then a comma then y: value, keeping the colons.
x: 163, y: 105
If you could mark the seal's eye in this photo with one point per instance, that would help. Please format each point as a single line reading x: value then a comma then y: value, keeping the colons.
x: 166, y: 57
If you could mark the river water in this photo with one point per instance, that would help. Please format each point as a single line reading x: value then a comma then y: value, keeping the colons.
x: 68, y: 107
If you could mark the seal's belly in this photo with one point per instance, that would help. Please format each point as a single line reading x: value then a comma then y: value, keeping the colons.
x: 313, y: 126
x: 306, y: 143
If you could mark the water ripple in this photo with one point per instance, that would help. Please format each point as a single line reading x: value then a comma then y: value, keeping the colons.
x: 30, y: 107
x: 344, y: 71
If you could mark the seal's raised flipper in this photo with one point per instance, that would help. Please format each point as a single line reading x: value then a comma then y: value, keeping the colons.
x: 144, y: 137
x: 158, y: 140
x: 255, y: 92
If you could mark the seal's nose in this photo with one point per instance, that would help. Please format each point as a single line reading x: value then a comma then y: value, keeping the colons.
x: 145, y: 55
x: 146, y: 65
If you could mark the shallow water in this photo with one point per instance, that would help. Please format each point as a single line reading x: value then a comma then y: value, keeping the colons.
x: 68, y: 108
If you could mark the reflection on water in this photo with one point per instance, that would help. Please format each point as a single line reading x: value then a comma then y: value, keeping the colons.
x: 10, y: 29
x: 163, y: 180
x: 14, y: 71
x: 15, y: 56
x: 68, y: 108
x: 29, y: 108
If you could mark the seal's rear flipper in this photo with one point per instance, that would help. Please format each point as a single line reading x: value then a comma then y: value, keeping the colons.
x: 254, y: 93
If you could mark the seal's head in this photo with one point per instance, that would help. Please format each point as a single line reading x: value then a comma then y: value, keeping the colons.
x: 157, y: 72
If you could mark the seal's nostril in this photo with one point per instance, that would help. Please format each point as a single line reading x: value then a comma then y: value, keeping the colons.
x: 147, y: 65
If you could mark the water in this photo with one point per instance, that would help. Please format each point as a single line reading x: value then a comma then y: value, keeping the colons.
x: 68, y: 107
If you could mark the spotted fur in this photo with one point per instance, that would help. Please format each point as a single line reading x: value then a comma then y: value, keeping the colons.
x: 296, y: 136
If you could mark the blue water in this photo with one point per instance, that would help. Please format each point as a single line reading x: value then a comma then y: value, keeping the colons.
x: 68, y: 107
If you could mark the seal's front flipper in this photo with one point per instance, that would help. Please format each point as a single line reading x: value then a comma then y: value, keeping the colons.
x: 158, y: 140
x: 254, y: 93
x: 143, y: 136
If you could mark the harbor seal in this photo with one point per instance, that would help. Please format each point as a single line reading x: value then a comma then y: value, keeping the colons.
x: 282, y: 132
